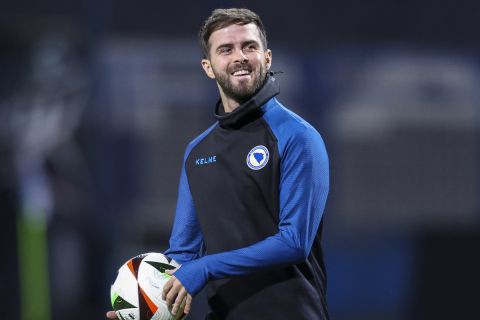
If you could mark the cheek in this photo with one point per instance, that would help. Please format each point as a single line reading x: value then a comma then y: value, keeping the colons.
x: 220, y: 66
x: 261, y: 60
x: 215, y: 70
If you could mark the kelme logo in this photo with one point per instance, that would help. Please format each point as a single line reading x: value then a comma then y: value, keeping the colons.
x: 257, y: 158
x: 205, y: 160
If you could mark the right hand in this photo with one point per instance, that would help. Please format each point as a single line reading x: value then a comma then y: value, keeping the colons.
x: 111, y: 315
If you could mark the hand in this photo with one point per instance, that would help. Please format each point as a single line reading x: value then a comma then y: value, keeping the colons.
x: 174, y: 293
x: 111, y: 315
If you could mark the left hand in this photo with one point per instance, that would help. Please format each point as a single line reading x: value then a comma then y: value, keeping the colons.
x: 174, y: 293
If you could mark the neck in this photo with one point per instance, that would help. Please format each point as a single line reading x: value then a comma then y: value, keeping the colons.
x: 229, y: 104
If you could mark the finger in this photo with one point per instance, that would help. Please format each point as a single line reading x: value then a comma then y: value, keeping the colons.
x: 111, y: 315
x: 179, y: 300
x: 166, y: 288
x: 188, y: 304
x: 172, y: 295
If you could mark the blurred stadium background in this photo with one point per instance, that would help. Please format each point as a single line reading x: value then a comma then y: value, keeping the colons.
x: 98, y: 100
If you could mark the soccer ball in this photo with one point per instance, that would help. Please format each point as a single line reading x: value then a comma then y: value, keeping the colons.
x: 136, y: 293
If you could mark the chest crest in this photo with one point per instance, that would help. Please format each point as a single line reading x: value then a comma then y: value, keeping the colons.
x: 257, y: 157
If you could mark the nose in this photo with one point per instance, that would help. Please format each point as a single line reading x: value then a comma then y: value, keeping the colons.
x: 240, y: 56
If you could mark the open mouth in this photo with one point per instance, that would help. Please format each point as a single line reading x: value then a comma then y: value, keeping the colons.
x: 241, y: 73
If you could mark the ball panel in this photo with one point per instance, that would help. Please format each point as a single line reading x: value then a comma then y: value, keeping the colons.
x: 152, y: 277
x: 160, y: 266
x: 147, y: 306
x: 126, y: 287
x: 134, y: 263
x: 119, y: 303
x: 128, y: 314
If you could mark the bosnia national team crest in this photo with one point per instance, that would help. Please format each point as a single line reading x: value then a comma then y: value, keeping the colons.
x: 257, y: 158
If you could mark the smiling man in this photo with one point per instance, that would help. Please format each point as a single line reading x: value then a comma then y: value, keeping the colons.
x: 249, y: 224
x: 252, y: 190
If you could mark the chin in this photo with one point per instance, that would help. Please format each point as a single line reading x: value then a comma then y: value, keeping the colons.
x: 246, y: 84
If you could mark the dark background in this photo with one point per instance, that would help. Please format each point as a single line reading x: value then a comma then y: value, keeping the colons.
x: 98, y: 100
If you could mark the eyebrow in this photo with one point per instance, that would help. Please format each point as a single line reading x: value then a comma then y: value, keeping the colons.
x: 230, y: 45
x: 249, y: 42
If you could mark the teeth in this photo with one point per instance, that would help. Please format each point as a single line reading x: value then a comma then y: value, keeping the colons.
x: 241, y: 72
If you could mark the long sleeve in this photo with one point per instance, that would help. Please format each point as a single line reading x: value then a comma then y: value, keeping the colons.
x: 186, y: 240
x: 304, y: 184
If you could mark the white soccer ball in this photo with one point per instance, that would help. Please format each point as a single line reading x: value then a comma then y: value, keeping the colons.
x: 136, y: 293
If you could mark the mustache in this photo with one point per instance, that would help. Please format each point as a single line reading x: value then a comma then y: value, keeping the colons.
x: 239, y: 67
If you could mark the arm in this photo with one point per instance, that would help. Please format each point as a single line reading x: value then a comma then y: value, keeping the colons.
x: 186, y: 243
x: 304, y: 187
x: 186, y: 240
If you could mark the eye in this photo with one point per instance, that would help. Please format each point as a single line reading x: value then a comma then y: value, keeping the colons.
x: 224, y: 50
x: 251, y: 47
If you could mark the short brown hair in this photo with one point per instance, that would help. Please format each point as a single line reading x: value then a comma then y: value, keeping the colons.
x: 221, y: 18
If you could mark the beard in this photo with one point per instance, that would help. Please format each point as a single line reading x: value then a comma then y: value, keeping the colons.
x: 244, y: 90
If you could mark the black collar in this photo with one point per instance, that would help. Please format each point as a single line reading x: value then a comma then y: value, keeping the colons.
x: 250, y: 109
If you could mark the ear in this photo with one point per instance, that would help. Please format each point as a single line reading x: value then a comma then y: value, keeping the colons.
x: 268, y: 58
x: 207, y: 67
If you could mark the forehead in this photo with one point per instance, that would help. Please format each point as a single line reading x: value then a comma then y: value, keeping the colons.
x: 234, y: 34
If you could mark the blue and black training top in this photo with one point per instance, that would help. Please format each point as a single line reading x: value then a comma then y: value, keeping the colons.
x: 252, y: 192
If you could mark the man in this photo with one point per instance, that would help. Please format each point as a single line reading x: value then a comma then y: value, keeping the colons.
x: 252, y: 190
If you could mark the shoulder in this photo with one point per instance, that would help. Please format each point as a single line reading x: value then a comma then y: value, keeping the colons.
x: 289, y: 128
x: 199, y: 139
